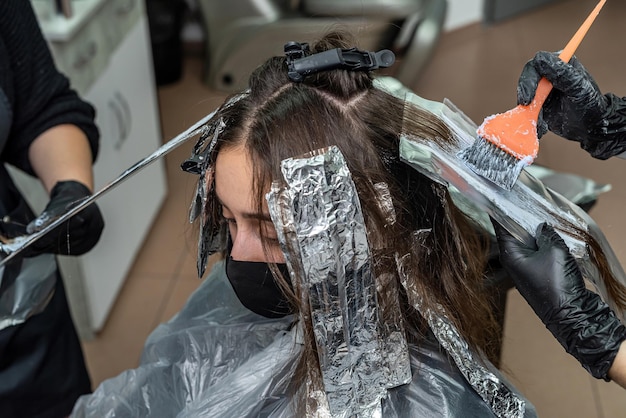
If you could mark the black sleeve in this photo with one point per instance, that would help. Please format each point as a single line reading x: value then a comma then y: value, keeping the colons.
x: 39, y: 96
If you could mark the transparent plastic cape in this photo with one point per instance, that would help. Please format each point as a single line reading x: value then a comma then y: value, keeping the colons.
x: 26, y: 287
x: 214, y: 358
x: 520, y: 210
x: 217, y: 359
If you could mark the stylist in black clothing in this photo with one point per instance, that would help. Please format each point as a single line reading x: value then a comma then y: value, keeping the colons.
x: 47, y: 131
x: 544, y: 271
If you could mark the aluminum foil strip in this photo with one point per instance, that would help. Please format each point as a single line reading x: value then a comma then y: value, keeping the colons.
x: 333, y: 251
x: 18, y: 244
x: 279, y: 204
x: 212, y: 233
x: 503, y: 401
x: 520, y: 210
x: 392, y: 332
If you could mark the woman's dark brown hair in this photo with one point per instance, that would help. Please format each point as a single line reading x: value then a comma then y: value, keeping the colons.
x: 279, y: 119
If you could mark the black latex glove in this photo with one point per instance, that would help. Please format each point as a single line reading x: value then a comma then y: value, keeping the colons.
x: 74, y: 237
x: 575, y: 109
x: 547, y: 276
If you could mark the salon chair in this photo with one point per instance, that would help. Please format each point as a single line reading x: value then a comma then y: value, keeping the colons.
x: 241, y: 34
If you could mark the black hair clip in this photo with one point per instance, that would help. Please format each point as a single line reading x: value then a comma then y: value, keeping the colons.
x: 201, y: 154
x: 300, y: 65
x: 197, y: 161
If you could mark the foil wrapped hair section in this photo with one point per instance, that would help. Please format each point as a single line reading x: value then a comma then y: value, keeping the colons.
x: 501, y: 399
x: 320, y: 223
x: 213, y: 232
x: 212, y: 235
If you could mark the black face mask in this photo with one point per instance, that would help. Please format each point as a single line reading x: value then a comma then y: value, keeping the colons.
x: 256, y: 287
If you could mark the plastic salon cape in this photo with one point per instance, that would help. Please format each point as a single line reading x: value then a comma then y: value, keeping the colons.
x: 217, y: 359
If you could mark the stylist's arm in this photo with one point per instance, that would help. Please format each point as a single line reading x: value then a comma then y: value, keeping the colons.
x: 61, y: 157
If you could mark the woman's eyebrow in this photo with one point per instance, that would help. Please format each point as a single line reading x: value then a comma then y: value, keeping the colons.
x: 259, y: 216
x: 247, y: 215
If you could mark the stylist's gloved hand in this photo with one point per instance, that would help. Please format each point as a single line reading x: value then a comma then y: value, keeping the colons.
x: 547, y: 276
x: 575, y: 109
x: 76, y: 236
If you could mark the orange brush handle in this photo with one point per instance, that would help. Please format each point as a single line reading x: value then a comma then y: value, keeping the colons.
x: 544, y: 87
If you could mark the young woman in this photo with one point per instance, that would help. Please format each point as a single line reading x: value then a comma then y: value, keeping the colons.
x: 274, y: 196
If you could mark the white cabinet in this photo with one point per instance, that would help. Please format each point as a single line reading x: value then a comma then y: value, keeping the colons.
x: 125, y: 99
x: 105, y: 51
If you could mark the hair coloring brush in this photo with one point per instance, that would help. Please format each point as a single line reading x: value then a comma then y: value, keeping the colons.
x: 507, y: 142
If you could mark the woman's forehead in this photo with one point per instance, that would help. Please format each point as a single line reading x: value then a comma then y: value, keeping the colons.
x: 234, y: 180
x: 233, y: 174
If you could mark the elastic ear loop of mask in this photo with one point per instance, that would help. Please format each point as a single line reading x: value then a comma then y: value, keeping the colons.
x: 322, y: 232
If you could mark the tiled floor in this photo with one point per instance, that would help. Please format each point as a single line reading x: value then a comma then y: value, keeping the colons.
x: 477, y: 68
